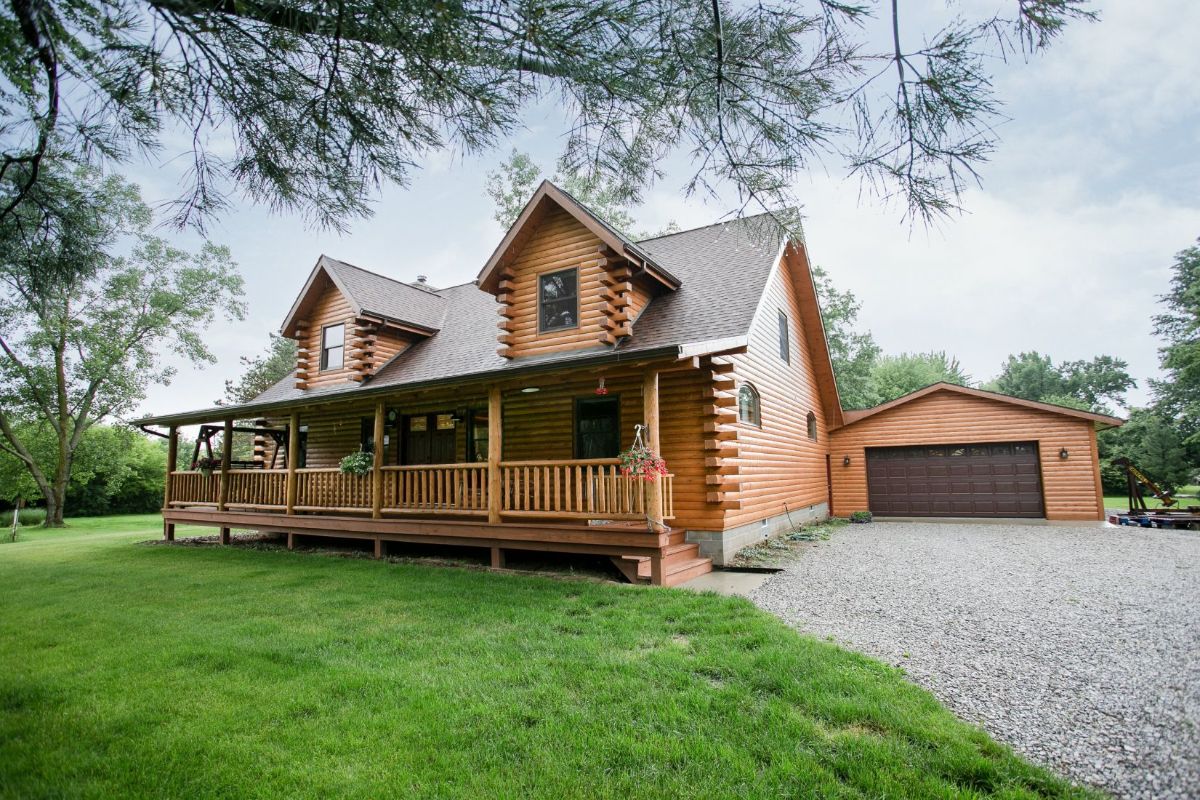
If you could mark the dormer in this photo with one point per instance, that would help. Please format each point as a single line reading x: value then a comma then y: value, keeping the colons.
x: 348, y: 322
x: 567, y: 280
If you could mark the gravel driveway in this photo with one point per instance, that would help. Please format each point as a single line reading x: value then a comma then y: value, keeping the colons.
x: 1079, y: 646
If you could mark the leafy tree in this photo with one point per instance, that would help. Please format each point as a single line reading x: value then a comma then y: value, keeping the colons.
x: 852, y: 351
x: 263, y: 371
x: 83, y: 346
x: 1155, y: 443
x: 895, y: 376
x: 514, y: 181
x: 1094, y: 385
x: 1179, y: 394
x: 114, y: 470
x: 322, y: 102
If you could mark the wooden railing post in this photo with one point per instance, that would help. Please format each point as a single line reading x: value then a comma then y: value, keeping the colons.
x: 495, y: 447
x: 293, y: 458
x: 226, y: 455
x: 650, y: 415
x: 172, y: 457
x: 377, y: 464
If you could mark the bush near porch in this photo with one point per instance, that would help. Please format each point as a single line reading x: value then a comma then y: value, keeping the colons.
x: 139, y: 670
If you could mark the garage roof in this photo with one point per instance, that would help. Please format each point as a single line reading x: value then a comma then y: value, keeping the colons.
x: 1101, y: 420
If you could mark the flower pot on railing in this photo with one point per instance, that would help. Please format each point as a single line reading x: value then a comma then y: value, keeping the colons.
x: 359, y: 463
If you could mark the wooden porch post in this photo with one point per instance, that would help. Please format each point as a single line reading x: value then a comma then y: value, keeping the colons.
x: 650, y: 415
x: 172, y: 457
x: 226, y: 455
x: 377, y: 466
x: 293, y: 458
x: 495, y: 448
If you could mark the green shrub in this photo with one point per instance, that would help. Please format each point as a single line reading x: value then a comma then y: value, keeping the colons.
x: 27, y: 517
x: 861, y: 516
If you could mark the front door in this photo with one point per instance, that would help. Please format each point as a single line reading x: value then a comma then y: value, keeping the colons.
x: 597, y: 427
x: 429, y: 438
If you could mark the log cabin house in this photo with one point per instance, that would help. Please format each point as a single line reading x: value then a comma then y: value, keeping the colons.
x: 494, y: 411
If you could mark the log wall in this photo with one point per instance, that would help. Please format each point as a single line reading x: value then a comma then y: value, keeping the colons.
x: 1070, y: 487
x: 778, y: 463
x: 609, y: 297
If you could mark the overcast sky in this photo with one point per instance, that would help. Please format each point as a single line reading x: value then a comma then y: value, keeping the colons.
x: 1094, y: 188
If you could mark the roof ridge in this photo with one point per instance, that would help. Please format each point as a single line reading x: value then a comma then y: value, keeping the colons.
x: 702, y: 227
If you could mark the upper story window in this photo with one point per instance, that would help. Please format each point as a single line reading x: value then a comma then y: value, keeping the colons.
x: 558, y: 300
x: 812, y: 426
x: 785, y: 346
x: 749, y: 410
x: 333, y: 343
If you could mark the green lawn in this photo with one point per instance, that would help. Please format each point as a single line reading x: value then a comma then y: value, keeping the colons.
x: 133, y: 670
x: 1187, y: 496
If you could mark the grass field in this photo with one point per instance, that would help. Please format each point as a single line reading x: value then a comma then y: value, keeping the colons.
x: 1187, y: 496
x: 144, y: 670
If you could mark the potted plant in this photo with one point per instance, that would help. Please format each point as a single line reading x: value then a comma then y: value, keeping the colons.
x: 207, y: 464
x: 358, y: 463
x: 639, y: 461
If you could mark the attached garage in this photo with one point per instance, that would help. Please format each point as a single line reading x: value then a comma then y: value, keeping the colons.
x: 950, y: 451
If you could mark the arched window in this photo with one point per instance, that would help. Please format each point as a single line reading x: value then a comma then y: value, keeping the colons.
x: 812, y: 426
x: 748, y: 405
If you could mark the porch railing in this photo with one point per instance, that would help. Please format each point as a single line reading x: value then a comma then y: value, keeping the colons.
x: 256, y: 488
x: 593, y: 489
x: 440, y: 487
x: 332, y: 490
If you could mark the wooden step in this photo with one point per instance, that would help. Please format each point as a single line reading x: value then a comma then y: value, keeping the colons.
x: 686, y: 570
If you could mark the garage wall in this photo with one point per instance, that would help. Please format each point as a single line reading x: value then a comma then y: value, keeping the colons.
x: 1071, y: 487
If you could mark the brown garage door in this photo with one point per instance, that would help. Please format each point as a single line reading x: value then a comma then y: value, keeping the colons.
x: 955, y: 480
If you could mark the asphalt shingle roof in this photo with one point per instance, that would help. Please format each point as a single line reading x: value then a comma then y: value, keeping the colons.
x: 388, y: 297
x: 723, y: 270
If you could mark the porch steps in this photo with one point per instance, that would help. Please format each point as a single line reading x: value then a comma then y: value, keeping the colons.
x: 681, y: 562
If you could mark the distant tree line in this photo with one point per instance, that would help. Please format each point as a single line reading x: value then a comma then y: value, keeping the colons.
x: 1163, y: 438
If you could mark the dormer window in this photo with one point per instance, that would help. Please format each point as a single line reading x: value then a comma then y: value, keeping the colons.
x: 333, y: 344
x: 558, y: 300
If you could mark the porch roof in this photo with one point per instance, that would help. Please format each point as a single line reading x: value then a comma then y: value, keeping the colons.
x: 724, y: 270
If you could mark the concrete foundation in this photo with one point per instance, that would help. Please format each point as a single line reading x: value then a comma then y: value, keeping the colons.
x: 721, y: 546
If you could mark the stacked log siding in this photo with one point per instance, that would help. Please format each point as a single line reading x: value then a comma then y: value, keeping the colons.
x: 778, y: 463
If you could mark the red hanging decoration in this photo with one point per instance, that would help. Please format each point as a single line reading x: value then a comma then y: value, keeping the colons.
x: 601, y: 390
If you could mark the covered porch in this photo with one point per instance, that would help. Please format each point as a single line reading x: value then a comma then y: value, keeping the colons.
x: 484, y: 492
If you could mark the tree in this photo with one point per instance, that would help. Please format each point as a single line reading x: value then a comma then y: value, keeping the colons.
x: 895, y: 376
x: 852, y: 352
x: 83, y: 346
x: 1094, y: 385
x: 319, y: 103
x: 263, y: 371
x: 514, y: 181
x: 1178, y: 394
x: 114, y: 470
x: 1155, y: 443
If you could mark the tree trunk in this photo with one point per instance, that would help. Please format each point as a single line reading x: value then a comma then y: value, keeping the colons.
x: 56, y: 498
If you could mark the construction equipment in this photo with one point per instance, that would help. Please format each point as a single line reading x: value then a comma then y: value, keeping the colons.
x: 1140, y: 515
x: 1136, y: 479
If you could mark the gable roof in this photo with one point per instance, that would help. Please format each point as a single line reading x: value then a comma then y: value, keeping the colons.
x: 371, y: 294
x: 548, y: 194
x: 1100, y: 420
x: 726, y: 267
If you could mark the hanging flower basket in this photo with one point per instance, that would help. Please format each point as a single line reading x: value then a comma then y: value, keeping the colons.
x: 359, y: 463
x: 206, y: 465
x: 641, y: 463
